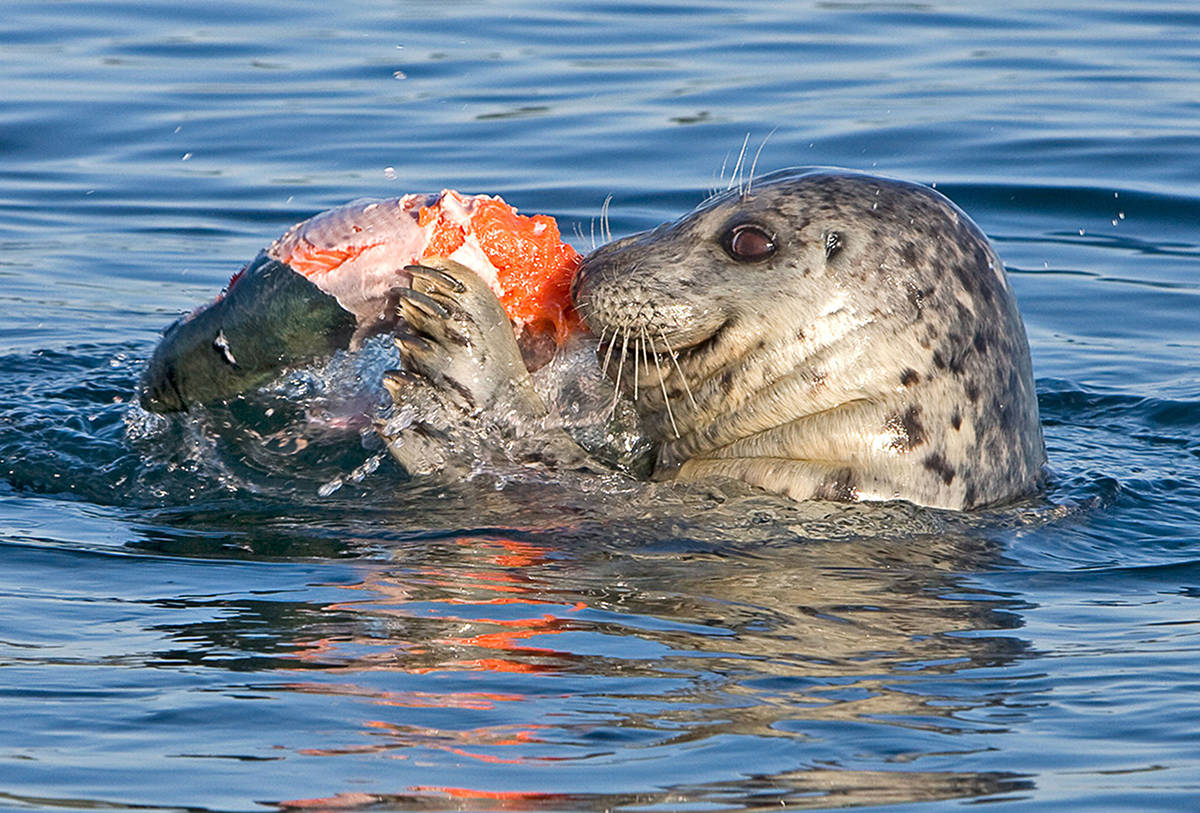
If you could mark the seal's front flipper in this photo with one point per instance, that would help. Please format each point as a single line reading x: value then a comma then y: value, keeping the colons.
x: 465, y: 391
x: 421, y: 431
x: 457, y: 335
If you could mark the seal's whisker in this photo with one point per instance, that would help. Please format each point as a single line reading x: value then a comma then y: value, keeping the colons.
x: 754, y: 163
x: 605, y: 226
x: 620, y: 366
x: 608, y: 353
x: 599, y: 343
x: 662, y: 382
x: 637, y: 341
x: 718, y: 180
x: 735, y: 178
x: 646, y: 352
x: 675, y: 358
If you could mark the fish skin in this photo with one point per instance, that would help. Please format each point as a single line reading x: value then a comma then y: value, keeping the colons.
x: 271, y: 318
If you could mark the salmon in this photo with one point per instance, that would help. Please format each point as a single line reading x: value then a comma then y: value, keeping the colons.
x: 329, y: 283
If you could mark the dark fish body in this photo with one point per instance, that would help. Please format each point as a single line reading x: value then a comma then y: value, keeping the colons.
x: 269, y: 319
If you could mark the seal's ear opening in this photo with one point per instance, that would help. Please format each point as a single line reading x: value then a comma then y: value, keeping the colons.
x: 748, y: 243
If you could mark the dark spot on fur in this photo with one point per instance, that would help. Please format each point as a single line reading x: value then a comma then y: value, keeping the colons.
x: 842, y: 487
x: 938, y: 465
x: 1005, y: 417
x: 969, y: 495
x: 980, y: 343
x: 799, y: 334
x: 907, y: 430
x: 956, y: 420
x: 727, y: 380
x: 956, y: 363
x: 983, y: 275
x: 953, y: 353
x: 972, y: 390
x: 910, y: 377
x: 966, y: 275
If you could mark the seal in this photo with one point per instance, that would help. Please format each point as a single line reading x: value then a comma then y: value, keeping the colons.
x: 823, y: 334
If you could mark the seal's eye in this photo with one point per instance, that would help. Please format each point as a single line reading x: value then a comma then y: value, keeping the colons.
x: 748, y: 243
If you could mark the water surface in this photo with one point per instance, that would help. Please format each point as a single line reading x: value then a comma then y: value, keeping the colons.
x: 187, y: 624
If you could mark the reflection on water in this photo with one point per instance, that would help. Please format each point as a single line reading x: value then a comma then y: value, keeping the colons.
x: 596, y: 649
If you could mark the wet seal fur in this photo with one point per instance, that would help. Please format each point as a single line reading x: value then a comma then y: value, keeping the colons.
x: 823, y: 334
x: 818, y: 333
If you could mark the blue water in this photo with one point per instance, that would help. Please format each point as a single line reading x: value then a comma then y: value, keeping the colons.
x: 188, y: 625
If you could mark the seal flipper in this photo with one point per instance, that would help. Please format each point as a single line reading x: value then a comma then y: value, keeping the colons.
x: 465, y: 384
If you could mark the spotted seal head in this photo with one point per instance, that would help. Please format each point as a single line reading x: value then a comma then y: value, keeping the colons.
x: 823, y: 334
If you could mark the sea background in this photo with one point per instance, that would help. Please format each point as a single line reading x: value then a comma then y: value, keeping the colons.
x: 185, y: 624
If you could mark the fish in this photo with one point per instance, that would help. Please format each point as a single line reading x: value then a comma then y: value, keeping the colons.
x: 330, y: 282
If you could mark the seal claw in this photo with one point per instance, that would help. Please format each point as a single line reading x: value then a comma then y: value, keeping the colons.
x: 409, y: 299
x: 433, y: 276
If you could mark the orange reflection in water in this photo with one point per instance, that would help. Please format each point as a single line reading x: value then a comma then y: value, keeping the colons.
x: 419, y: 622
x: 514, y: 800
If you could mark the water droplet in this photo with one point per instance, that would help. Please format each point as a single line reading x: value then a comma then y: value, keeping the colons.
x: 330, y: 487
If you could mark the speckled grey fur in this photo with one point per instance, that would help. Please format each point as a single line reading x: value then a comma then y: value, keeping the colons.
x: 877, y: 354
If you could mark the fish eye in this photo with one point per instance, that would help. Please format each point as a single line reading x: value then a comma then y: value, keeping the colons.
x: 748, y: 243
x: 221, y: 345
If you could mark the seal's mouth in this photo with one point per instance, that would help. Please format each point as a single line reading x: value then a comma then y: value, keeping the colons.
x: 635, y: 363
x: 641, y: 342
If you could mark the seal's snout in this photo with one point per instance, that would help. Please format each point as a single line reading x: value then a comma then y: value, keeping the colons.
x: 600, y: 263
x: 644, y: 287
